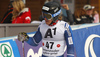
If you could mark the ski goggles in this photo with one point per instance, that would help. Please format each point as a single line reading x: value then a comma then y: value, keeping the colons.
x: 49, y: 16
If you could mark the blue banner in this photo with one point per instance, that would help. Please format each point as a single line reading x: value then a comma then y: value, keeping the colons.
x: 86, y: 41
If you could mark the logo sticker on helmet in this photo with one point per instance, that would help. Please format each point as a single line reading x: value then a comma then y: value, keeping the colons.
x: 56, y: 10
x: 45, y: 8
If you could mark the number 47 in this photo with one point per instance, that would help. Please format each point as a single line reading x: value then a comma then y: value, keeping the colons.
x: 48, y: 45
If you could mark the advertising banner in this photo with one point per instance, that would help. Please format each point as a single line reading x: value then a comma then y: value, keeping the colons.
x: 20, y: 48
x: 32, y: 51
x: 87, y: 41
x: 8, y: 48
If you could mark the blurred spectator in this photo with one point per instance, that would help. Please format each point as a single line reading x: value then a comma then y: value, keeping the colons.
x: 84, y: 15
x: 69, y: 17
x: 96, y: 17
x: 88, y: 18
x: 8, y: 15
x: 78, y: 15
x: 20, y: 13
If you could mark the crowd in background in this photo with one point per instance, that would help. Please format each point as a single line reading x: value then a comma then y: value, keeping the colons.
x: 18, y: 13
x: 86, y: 15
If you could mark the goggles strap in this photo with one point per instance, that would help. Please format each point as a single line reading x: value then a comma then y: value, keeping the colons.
x: 56, y: 14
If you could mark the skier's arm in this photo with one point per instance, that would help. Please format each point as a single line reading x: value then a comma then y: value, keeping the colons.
x: 35, y: 39
x: 69, y: 41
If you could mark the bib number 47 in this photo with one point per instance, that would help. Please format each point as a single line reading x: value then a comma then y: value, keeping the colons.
x: 49, y: 45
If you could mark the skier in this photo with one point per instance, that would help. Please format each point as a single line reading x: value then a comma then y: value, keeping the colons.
x: 54, y: 34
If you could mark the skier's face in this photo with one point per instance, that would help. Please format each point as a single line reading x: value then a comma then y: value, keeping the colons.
x: 48, y: 21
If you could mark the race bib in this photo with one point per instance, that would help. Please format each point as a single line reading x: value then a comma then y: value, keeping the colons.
x: 53, y: 48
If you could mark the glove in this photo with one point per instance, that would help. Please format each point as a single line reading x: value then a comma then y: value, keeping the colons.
x: 23, y: 37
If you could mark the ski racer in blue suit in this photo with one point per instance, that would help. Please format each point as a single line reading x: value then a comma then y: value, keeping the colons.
x: 54, y: 34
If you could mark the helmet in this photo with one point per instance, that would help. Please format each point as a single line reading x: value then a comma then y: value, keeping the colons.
x: 88, y: 7
x: 51, y: 10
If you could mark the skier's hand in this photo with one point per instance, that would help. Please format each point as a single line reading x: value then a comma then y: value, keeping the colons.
x: 22, y: 36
